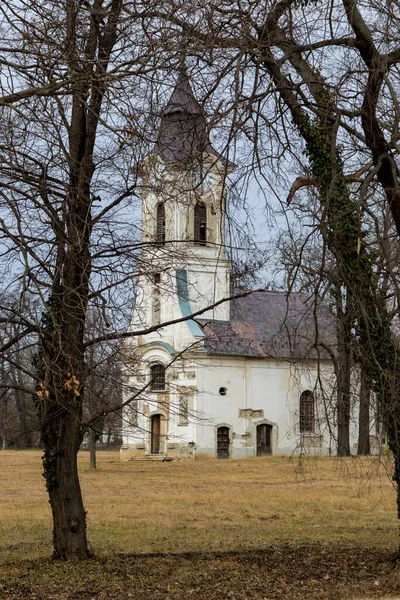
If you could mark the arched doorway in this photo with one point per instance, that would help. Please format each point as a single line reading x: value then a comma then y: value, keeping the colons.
x: 223, y: 442
x: 156, y: 423
x: 264, y: 439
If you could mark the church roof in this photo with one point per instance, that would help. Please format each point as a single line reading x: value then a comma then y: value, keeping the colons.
x: 272, y: 324
x: 182, y: 99
x: 183, y: 135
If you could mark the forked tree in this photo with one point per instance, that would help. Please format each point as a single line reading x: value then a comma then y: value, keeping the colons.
x: 77, y: 80
x: 81, y: 87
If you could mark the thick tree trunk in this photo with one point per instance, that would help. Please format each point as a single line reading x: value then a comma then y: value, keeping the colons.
x: 394, y: 445
x: 363, y: 420
x: 62, y: 437
x: 62, y: 390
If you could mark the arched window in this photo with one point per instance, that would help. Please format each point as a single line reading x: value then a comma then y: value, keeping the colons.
x: 160, y: 226
x: 157, y: 378
x: 200, y: 224
x: 307, y: 412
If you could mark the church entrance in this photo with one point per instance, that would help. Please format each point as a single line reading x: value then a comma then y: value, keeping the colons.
x: 264, y: 446
x: 223, y: 442
x: 156, y: 421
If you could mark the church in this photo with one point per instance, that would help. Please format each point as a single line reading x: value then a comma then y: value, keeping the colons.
x: 217, y: 373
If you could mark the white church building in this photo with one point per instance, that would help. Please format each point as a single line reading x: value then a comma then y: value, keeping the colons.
x: 220, y: 378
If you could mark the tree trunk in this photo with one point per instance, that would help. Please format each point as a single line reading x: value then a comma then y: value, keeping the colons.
x: 4, y: 423
x: 363, y: 420
x: 343, y: 408
x: 62, y: 437
x: 20, y: 405
x: 92, y: 447
x: 343, y: 374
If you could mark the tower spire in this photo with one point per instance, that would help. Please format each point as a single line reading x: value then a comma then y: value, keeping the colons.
x: 183, y: 135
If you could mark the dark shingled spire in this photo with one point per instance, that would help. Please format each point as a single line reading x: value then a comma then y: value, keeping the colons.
x: 183, y: 133
x: 182, y: 100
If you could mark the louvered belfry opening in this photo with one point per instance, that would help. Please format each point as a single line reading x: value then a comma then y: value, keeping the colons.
x: 307, y: 412
x: 160, y: 227
x: 200, y: 224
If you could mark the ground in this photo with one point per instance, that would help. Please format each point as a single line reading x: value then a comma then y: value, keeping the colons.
x: 250, y: 529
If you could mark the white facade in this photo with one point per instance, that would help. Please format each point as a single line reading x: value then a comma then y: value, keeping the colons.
x: 204, y: 394
x: 180, y: 396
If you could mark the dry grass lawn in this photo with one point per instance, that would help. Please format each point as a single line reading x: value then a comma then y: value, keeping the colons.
x: 327, y: 521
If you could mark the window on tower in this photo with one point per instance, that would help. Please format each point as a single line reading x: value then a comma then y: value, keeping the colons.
x: 200, y: 224
x: 160, y: 225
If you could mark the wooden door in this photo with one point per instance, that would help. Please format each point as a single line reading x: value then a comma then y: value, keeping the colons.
x: 155, y: 434
x: 223, y: 442
x: 264, y: 446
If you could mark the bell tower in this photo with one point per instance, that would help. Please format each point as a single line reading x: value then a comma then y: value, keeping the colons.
x: 183, y: 224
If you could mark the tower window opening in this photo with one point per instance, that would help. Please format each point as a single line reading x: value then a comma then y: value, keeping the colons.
x: 160, y: 226
x: 200, y: 224
x: 157, y: 378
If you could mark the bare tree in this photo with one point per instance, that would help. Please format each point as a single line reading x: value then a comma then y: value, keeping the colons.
x: 81, y: 87
x: 66, y: 126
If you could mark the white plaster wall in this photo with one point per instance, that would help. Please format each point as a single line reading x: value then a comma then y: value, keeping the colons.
x: 258, y: 384
x: 206, y: 266
x: 209, y: 282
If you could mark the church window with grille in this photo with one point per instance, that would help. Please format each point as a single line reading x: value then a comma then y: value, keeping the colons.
x: 200, y: 224
x: 157, y: 378
x: 307, y: 412
x: 160, y: 225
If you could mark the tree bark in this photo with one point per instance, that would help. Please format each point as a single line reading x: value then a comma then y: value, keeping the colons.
x: 378, y: 66
x: 62, y: 438
x: 364, y: 448
x: 343, y: 376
